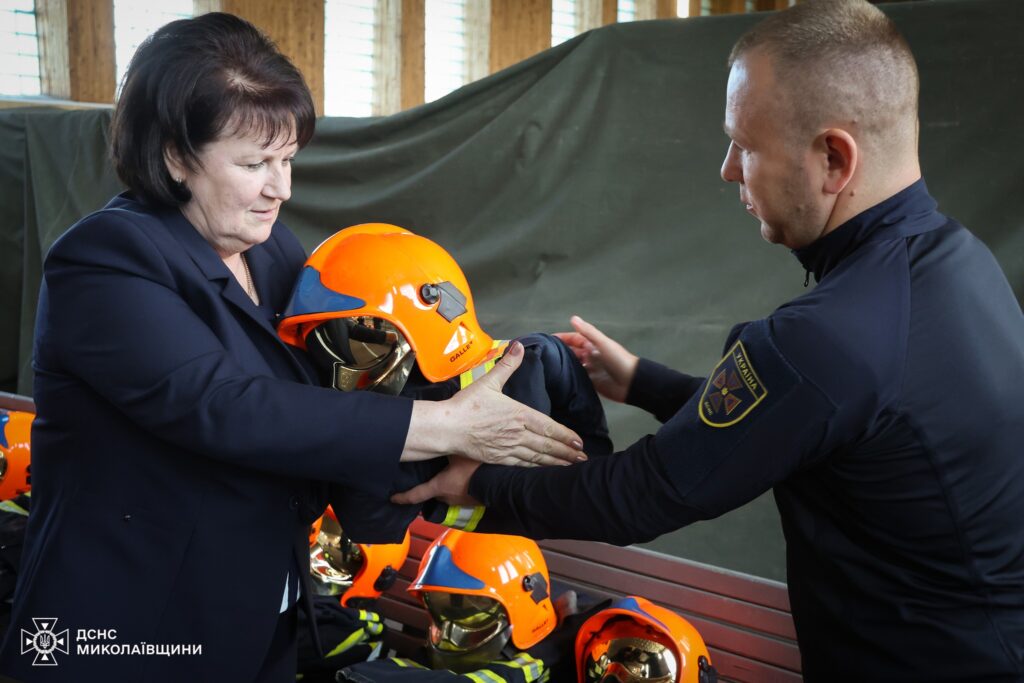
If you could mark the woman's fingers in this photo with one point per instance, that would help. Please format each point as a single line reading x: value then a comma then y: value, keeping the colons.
x: 500, y: 429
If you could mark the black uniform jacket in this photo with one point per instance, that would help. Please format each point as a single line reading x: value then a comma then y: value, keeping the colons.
x: 885, y: 409
x: 173, y: 454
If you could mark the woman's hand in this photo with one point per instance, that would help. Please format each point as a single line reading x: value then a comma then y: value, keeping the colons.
x: 484, y: 425
x: 610, y: 366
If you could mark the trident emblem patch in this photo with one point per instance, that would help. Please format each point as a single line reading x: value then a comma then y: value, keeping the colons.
x: 732, y: 391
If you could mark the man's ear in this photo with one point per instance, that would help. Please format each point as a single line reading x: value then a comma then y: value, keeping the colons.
x: 175, y: 166
x: 842, y: 157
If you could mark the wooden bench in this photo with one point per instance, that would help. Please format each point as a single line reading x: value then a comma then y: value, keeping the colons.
x: 744, y: 619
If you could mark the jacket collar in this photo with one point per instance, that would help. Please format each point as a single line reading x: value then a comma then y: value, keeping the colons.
x: 910, y: 211
x: 262, y: 264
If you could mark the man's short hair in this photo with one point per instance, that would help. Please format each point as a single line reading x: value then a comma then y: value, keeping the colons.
x: 840, y: 61
x: 192, y: 82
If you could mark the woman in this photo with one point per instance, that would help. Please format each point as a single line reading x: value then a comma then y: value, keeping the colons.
x: 175, y: 431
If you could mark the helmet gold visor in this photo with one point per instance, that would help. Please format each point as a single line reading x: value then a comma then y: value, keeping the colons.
x: 635, y: 660
x: 362, y: 353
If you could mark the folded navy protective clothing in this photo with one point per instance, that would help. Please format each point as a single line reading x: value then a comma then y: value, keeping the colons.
x: 550, y: 380
x: 348, y: 635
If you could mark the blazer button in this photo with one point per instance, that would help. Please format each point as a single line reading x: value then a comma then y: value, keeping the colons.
x: 127, y: 518
x: 293, y: 502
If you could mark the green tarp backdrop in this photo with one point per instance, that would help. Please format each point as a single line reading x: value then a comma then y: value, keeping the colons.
x: 583, y: 180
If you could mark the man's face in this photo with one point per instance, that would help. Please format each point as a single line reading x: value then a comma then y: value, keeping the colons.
x: 778, y: 173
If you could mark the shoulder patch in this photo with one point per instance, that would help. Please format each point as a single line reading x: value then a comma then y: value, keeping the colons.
x: 733, y: 389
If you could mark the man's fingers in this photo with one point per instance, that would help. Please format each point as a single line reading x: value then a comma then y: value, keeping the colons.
x: 417, y: 494
x: 578, y: 344
x: 590, y: 333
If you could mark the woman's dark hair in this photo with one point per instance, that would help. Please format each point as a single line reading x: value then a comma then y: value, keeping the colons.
x: 186, y: 84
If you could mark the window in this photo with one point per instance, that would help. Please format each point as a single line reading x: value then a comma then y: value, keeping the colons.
x: 350, y: 69
x: 445, y: 48
x: 627, y: 10
x: 136, y: 20
x: 564, y: 24
x: 19, y: 49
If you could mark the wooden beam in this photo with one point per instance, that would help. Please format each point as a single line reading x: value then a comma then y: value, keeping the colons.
x: 695, y: 8
x: 666, y: 9
x: 728, y: 6
x: 412, y: 49
x: 297, y: 27
x: 519, y: 29
x: 609, y: 12
x: 76, y: 49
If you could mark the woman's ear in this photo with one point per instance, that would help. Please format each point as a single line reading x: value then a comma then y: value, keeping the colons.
x: 842, y: 159
x: 175, y: 166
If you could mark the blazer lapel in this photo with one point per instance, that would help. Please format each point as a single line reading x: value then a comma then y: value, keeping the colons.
x: 265, y: 272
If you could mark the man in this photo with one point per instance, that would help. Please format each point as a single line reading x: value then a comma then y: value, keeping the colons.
x: 882, y: 407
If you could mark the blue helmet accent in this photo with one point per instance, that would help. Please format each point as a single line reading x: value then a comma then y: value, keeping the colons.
x: 631, y: 605
x: 310, y: 296
x: 441, y: 570
x: 3, y: 428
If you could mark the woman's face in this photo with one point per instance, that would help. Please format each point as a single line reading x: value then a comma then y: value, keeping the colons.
x: 238, y: 188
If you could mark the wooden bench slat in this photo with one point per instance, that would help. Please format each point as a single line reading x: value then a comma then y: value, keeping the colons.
x: 752, y: 589
x: 675, y: 595
x: 732, y: 667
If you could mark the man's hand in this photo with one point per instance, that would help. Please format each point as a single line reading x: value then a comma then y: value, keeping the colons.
x: 483, y: 424
x: 609, y: 365
x: 450, y: 485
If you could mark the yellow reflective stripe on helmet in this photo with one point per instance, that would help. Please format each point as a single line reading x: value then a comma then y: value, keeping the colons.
x: 473, y: 374
x: 11, y: 506
x: 464, y: 518
x: 407, y: 663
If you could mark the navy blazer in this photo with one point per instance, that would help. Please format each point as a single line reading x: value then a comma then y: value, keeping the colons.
x: 174, y: 453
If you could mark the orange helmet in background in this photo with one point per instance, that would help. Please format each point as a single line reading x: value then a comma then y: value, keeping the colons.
x: 636, y: 641
x: 370, y: 288
x: 358, y: 572
x: 482, y: 591
x: 15, y: 452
